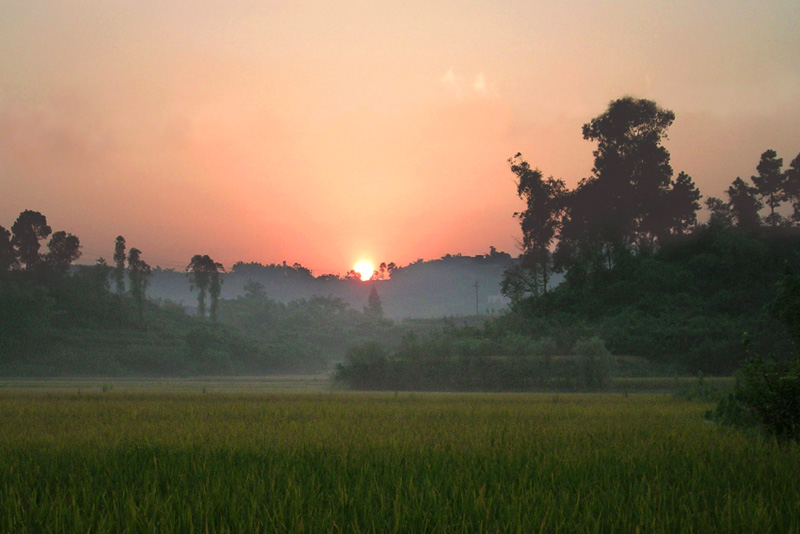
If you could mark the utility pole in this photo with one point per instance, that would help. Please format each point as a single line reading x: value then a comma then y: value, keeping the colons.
x: 476, y: 286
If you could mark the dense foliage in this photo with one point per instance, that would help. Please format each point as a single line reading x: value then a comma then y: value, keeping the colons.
x: 767, y: 392
x: 74, y: 325
x: 638, y: 271
x: 766, y: 397
x: 491, y: 358
x: 57, y: 320
x: 686, y: 305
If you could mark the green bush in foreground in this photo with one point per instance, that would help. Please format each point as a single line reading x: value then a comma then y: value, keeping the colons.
x: 385, y: 463
x: 468, y: 360
x: 767, y: 396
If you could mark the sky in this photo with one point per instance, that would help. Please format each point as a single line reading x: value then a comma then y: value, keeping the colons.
x: 325, y: 132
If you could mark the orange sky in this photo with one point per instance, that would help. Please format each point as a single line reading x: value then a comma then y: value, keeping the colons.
x: 325, y: 132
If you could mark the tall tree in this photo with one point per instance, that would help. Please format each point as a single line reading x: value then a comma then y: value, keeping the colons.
x: 590, y: 235
x: 203, y: 273
x: 721, y: 214
x: 683, y: 201
x: 119, y: 264
x: 631, y: 172
x: 744, y: 204
x: 29, y: 228
x: 384, y: 271
x: 624, y: 206
x: 215, y: 289
x: 541, y: 219
x: 139, y: 273
x: 63, y: 249
x: 199, y: 278
x: 769, y: 183
x: 791, y: 187
x: 8, y: 256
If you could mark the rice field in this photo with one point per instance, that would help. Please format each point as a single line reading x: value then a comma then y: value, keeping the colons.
x: 320, y: 461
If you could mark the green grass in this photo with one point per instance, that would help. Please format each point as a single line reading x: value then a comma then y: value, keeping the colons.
x: 329, y: 462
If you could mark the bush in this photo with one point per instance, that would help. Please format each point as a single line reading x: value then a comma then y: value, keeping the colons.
x: 364, y: 367
x: 767, y: 396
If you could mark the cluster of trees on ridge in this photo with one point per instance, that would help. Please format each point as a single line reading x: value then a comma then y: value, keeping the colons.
x: 646, y: 290
x: 637, y: 265
x: 62, y: 319
x: 443, y: 287
x: 640, y: 274
x: 631, y: 204
x: 58, y: 319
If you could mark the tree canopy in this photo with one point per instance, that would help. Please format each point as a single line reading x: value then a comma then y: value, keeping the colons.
x: 769, y: 184
x: 63, y: 249
x: 29, y: 228
x: 139, y: 273
x: 630, y: 203
x: 203, y: 273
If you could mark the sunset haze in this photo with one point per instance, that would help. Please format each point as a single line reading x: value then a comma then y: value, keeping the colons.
x: 330, y: 132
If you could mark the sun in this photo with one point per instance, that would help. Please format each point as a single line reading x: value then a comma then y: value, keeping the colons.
x: 364, y: 269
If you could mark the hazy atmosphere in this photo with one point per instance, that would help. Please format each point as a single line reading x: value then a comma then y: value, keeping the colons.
x: 327, y: 132
x: 440, y: 266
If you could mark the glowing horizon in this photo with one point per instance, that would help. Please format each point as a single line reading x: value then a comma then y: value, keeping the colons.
x: 364, y: 269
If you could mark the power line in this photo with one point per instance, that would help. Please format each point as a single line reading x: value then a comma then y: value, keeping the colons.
x: 476, y: 286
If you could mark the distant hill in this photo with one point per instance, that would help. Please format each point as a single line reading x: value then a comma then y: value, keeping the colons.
x: 422, y: 289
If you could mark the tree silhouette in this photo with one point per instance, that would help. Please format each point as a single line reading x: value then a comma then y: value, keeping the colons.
x: 721, y: 214
x: 8, y: 256
x: 683, y: 201
x: 628, y: 205
x: 625, y: 206
x: 215, y: 289
x: 769, y: 184
x: 139, y: 273
x: 791, y: 187
x: 744, y: 204
x: 541, y: 219
x: 64, y: 249
x: 29, y: 228
x: 119, y: 264
x: 203, y: 274
x: 631, y: 171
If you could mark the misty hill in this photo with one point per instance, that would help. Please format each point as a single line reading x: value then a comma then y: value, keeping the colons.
x: 422, y: 289
x: 62, y: 319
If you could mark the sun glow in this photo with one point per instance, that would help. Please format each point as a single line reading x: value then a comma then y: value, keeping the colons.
x: 364, y: 270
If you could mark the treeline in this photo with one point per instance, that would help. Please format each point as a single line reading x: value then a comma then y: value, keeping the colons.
x: 631, y: 205
x: 58, y: 319
x: 422, y: 289
x: 638, y: 274
x: 639, y: 271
